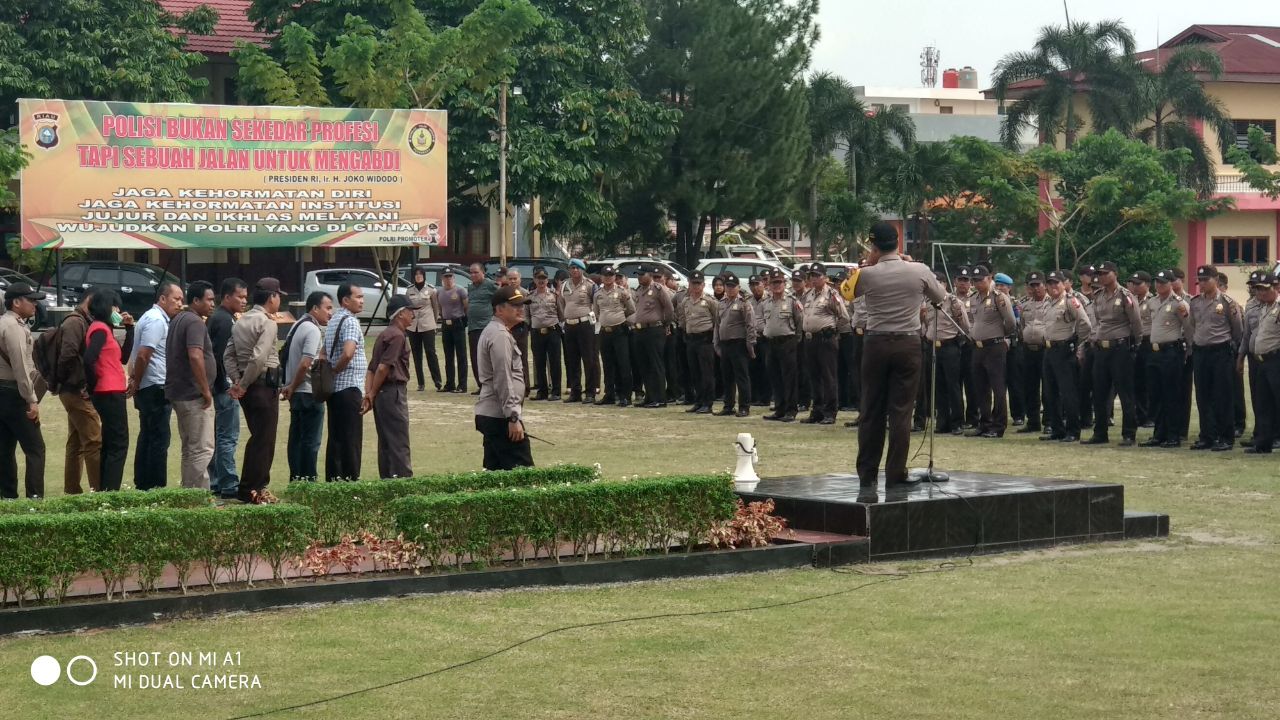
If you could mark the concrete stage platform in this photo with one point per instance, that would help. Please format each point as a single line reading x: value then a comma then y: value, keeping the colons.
x: 981, y: 511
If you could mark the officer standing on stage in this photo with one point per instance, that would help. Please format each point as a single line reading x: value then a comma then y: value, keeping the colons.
x: 783, y: 317
x: 943, y: 338
x: 613, y: 304
x: 1140, y: 286
x: 1265, y: 354
x: 1033, y: 316
x: 1065, y: 323
x: 700, y: 315
x: 735, y: 337
x: 993, y: 322
x: 546, y: 336
x: 654, y: 313
x: 1114, y: 352
x: 1216, y: 331
x: 822, y: 309
x: 1170, y: 328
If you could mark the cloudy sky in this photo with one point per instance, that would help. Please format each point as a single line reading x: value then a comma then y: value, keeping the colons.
x: 878, y: 42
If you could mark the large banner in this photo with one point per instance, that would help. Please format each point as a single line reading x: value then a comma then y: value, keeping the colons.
x: 109, y: 175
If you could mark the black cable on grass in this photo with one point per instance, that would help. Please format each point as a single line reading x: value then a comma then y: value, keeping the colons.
x: 883, y: 578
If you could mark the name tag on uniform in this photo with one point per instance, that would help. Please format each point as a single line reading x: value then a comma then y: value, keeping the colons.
x: 737, y: 307
x: 987, y: 303
x: 1218, y: 308
x: 1117, y: 302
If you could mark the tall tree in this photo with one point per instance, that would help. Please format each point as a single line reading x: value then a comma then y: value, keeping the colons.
x: 872, y: 137
x: 1172, y: 98
x: 831, y: 107
x: 914, y: 176
x: 1093, y: 60
x: 735, y: 71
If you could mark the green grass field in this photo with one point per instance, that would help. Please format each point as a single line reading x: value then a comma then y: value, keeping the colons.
x: 1184, y: 627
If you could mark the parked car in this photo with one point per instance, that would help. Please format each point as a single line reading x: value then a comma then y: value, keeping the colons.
x: 751, y: 252
x: 526, y: 265
x: 435, y: 271
x: 9, y: 276
x: 137, y: 283
x: 376, y: 296
x: 630, y: 269
x: 742, y: 267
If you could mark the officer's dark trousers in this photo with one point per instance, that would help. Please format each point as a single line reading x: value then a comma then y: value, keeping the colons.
x: 1214, y: 368
x: 1086, y: 389
x: 638, y: 365
x: 679, y: 365
x: 855, y: 369
x: 1113, y: 373
x: 737, y: 374
x: 17, y: 430
x: 1253, y: 367
x: 499, y: 452
x: 1061, y: 394
x: 804, y: 386
x: 1013, y: 379
x: 345, y: 443
x: 970, y: 388
x: 890, y: 381
x: 760, y: 389
x: 989, y: 380
x: 454, y: 339
x: 1188, y: 375
x: 782, y: 372
x: 845, y: 396
x: 1164, y: 376
x: 924, y: 396
x: 1266, y: 401
x: 1032, y: 370
x: 473, y: 343
x: 1238, y: 406
x: 651, y: 341
x: 580, y: 358
x: 948, y: 396
x: 521, y: 333
x: 1142, y: 388
x: 821, y: 349
x: 702, y: 368
x: 673, y: 368
x: 425, y: 342
x: 547, y: 345
x: 615, y: 352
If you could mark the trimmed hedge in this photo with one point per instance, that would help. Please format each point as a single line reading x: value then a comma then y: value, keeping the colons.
x: 627, y: 517
x: 112, y: 500
x: 45, y: 552
x: 348, y: 508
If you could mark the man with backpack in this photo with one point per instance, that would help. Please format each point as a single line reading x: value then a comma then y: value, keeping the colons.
x: 301, y: 348
x: 59, y: 359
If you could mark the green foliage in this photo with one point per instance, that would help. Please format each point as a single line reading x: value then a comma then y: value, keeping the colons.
x: 1251, y: 164
x: 625, y: 517
x: 1118, y: 200
x: 116, y: 500
x: 13, y: 157
x: 45, y: 552
x: 352, y: 507
x: 992, y: 198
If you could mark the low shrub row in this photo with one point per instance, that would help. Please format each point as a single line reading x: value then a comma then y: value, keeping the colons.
x: 350, y: 508
x: 626, y: 517
x: 175, y: 497
x: 45, y: 552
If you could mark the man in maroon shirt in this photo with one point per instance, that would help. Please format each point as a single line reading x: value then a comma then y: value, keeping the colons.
x: 384, y: 391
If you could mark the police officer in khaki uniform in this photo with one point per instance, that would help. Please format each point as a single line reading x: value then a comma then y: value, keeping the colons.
x: 735, y: 336
x: 1170, y: 329
x: 700, y: 315
x: 1140, y: 286
x: 21, y: 389
x: 993, y: 322
x: 943, y: 337
x: 1032, y: 315
x: 1066, y: 325
x: 760, y: 390
x: 823, y: 308
x: 804, y: 387
x: 1216, y: 331
x: 782, y: 316
x: 1265, y: 353
x: 1244, y: 354
x: 1114, y: 352
x: 576, y: 296
x: 654, y: 313
x: 1180, y: 289
x: 613, y: 304
x: 965, y: 293
x: 546, y: 337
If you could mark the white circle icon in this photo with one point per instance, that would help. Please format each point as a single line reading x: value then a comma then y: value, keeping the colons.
x: 45, y: 670
x: 92, y: 664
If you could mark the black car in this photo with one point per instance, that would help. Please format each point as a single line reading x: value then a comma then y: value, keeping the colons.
x: 526, y: 265
x: 137, y: 283
x: 9, y: 276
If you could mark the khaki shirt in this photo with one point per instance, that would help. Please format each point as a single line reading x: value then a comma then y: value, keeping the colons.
x: 737, y: 320
x: 992, y: 316
x: 575, y: 300
x: 970, y: 304
x: 677, y: 302
x: 16, y: 364
x: 1214, y: 319
x: 613, y: 305
x: 426, y: 308
x: 500, y: 367
x: 1252, y: 314
x: 945, y: 329
x: 823, y: 309
x: 1035, y: 315
x: 893, y: 289
x: 1116, y: 314
x: 653, y: 305
x: 252, y: 350
x: 1170, y: 319
x: 700, y: 315
x: 780, y: 318
x: 1065, y: 319
x: 544, y: 310
x: 1266, y: 339
x: 1144, y: 313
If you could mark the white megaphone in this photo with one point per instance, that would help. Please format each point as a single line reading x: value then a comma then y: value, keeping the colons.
x: 744, y: 475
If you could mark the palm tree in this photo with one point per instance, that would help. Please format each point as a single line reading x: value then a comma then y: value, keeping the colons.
x: 831, y: 103
x: 1096, y: 60
x: 1170, y: 99
x: 914, y: 176
x: 871, y: 137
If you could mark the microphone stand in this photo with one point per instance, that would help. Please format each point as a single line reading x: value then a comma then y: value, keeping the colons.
x: 929, y: 474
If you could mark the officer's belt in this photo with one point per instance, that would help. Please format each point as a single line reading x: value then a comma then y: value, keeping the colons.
x: 1035, y: 348
x: 614, y: 328
x: 643, y: 326
x: 1272, y: 356
x: 1117, y: 342
x: 1179, y: 345
x: 820, y: 334
x: 575, y: 321
x: 699, y: 335
x: 545, y: 330
x: 892, y: 333
x: 993, y: 341
x: 942, y: 343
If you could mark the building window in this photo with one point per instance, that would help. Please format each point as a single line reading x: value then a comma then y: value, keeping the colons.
x: 877, y: 107
x: 778, y: 233
x: 945, y: 109
x: 900, y: 107
x: 1242, y: 131
x: 1241, y: 250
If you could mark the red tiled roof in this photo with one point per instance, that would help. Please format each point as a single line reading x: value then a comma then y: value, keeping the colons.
x: 233, y: 24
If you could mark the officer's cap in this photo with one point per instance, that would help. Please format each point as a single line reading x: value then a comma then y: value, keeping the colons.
x: 513, y: 294
x: 797, y: 276
x: 730, y: 279
x: 539, y: 272
x: 817, y: 269
x: 1206, y: 272
x: 1140, y: 277
x: 978, y: 272
x: 1165, y: 276
x: 1035, y: 278
x: 608, y: 271
x: 842, y: 276
x: 1106, y: 267
x: 1261, y: 278
x: 776, y: 275
x: 1054, y: 277
x: 754, y: 280
x: 962, y: 272
x: 1178, y: 273
x: 1002, y: 279
x: 697, y: 277
x: 941, y: 276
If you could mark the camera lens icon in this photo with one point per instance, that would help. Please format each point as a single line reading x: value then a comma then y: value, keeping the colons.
x: 45, y: 670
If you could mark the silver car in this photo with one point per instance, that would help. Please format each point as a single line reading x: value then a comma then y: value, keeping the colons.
x: 376, y: 296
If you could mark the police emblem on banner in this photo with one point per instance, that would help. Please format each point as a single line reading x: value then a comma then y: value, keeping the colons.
x: 422, y: 139
x: 46, y: 125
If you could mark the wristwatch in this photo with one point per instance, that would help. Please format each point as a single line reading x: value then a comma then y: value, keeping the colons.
x: 514, y: 418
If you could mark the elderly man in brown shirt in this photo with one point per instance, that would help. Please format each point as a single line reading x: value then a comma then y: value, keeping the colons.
x: 253, y: 367
x: 384, y: 391
x: 893, y: 287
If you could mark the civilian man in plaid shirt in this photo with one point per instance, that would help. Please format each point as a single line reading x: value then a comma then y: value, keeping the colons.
x: 344, y: 346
